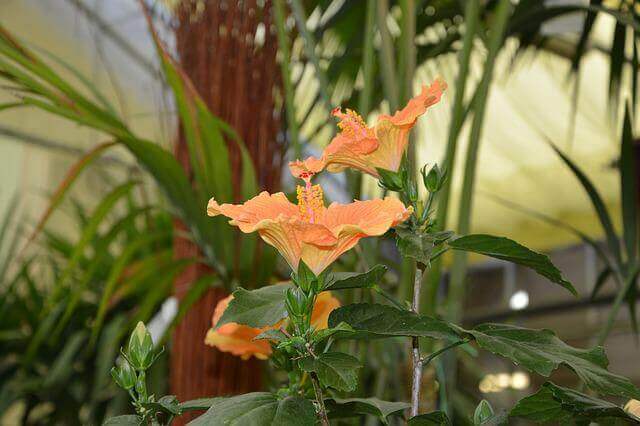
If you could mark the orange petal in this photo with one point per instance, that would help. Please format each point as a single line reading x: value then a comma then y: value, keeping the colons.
x: 384, y: 148
x: 306, y: 169
x: 417, y: 106
x: 261, y: 207
x: 325, y: 303
x: 351, y: 222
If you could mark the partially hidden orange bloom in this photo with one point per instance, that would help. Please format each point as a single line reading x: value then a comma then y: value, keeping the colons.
x: 238, y: 339
x: 310, y: 231
x: 368, y: 148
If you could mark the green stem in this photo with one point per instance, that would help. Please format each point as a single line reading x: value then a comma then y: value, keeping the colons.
x: 416, y: 380
x: 466, y: 199
x: 457, y: 114
x: 387, y: 296
x: 309, y: 45
x: 387, y: 60
x: 283, y: 45
x: 426, y: 360
x: 617, y: 303
x: 324, y: 420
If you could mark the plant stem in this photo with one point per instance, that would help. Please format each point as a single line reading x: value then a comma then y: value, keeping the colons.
x: 324, y: 420
x: 613, y: 313
x: 415, y: 348
x: 283, y: 45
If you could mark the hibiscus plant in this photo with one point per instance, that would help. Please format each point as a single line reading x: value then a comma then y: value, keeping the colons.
x: 298, y: 324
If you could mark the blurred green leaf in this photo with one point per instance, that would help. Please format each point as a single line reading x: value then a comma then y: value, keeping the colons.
x: 629, y: 188
x: 435, y: 418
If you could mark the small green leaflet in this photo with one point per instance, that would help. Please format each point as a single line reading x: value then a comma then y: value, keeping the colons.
x: 506, y: 249
x: 435, y: 418
x: 256, y: 308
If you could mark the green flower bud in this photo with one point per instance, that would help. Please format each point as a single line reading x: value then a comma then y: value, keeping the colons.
x: 124, y: 375
x: 140, y: 349
x: 434, y: 179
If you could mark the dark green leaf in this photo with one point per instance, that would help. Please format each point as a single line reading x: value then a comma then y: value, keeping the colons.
x: 553, y: 403
x: 198, y: 404
x: 258, y: 409
x: 542, y: 352
x: 271, y: 334
x: 62, y: 367
x: 390, y: 180
x: 506, y: 249
x: 602, y: 278
x: 128, y: 420
x: 435, y: 418
x: 483, y: 412
x: 629, y: 187
x: 342, y: 330
x: 167, y: 404
x: 344, y: 280
x: 334, y: 369
x: 350, y: 407
x: 596, y: 201
x: 256, y: 308
x: 375, y: 321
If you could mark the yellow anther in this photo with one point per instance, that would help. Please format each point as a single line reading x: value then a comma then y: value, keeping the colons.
x: 351, y: 123
x: 310, y: 202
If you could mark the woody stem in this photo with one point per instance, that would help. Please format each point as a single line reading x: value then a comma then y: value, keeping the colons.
x: 324, y: 420
x: 415, y: 348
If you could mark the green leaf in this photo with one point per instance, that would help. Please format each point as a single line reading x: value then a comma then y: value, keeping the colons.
x: 62, y: 368
x: 345, y: 280
x: 435, y: 418
x: 390, y: 180
x: 334, y: 369
x: 629, y: 187
x: 256, y: 308
x: 542, y: 352
x: 376, y: 321
x: 128, y: 420
x: 342, y: 330
x: 349, y: 407
x: 506, y: 249
x: 554, y: 403
x: 198, y: 404
x: 167, y: 404
x: 483, y: 412
x: 596, y: 201
x: 271, y: 334
x: 419, y: 245
x: 258, y: 409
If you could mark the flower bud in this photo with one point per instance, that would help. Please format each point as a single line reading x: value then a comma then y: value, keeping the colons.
x: 140, y: 349
x: 124, y: 375
x: 434, y: 179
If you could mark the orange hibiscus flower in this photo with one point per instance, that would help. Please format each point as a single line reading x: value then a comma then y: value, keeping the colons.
x: 238, y: 339
x: 310, y: 231
x: 368, y: 148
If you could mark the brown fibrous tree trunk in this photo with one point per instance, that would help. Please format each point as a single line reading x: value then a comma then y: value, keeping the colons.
x: 228, y: 50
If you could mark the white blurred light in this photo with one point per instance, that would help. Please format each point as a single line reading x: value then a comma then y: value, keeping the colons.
x: 503, y: 380
x: 519, y: 300
x: 520, y: 380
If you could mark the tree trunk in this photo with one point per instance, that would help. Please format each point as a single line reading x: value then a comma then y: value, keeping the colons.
x: 228, y: 50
